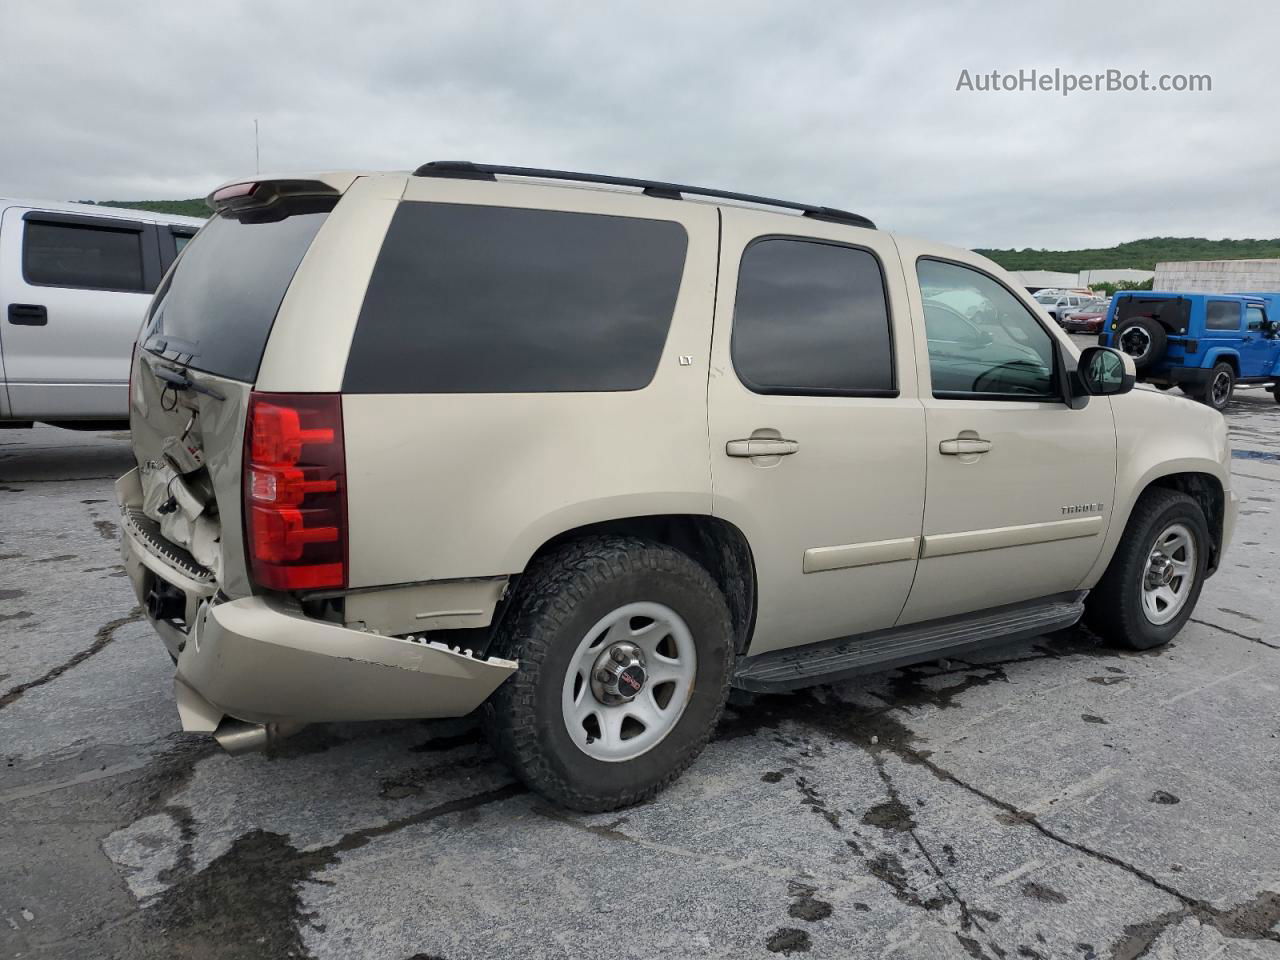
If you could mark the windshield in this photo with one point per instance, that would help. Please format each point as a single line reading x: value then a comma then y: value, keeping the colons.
x: 220, y: 300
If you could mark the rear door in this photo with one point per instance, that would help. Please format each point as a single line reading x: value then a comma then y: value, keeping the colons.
x: 72, y: 310
x: 1020, y: 484
x: 817, y: 436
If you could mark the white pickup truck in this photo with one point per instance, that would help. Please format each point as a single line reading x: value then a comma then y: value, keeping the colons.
x: 75, y: 281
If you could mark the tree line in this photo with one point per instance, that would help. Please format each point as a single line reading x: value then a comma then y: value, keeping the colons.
x: 1135, y: 255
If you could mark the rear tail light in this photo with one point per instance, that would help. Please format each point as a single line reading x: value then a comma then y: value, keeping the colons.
x: 295, y: 491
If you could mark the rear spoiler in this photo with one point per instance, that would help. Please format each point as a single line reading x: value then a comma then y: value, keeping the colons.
x: 264, y: 201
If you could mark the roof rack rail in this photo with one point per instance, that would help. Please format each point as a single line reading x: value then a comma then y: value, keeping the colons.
x: 465, y: 170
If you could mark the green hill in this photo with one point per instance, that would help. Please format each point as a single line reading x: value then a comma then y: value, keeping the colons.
x: 186, y: 208
x: 1136, y: 254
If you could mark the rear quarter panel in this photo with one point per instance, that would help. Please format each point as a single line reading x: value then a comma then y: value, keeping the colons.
x: 465, y: 485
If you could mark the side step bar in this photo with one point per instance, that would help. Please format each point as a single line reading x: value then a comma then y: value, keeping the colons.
x: 844, y: 657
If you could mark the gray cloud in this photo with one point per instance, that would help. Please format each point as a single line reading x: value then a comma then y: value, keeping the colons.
x: 848, y: 104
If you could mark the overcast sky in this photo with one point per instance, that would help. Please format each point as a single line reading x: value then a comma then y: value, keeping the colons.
x: 847, y: 104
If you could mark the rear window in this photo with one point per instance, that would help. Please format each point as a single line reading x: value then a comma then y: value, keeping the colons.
x: 1222, y: 315
x: 222, y: 296
x: 88, y: 257
x: 1172, y: 312
x: 480, y: 299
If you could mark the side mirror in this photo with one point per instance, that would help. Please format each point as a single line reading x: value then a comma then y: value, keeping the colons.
x: 1105, y: 372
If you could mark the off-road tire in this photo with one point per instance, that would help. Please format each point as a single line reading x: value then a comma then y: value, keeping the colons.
x: 1113, y: 608
x: 1158, y: 337
x: 565, y: 592
x: 1205, y: 394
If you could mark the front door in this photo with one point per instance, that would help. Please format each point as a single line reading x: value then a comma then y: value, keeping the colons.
x: 816, y: 431
x: 1258, y: 348
x: 1020, y: 485
x: 72, y: 310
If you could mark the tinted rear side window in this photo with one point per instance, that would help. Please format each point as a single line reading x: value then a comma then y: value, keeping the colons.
x: 93, y: 258
x: 811, y: 318
x: 1222, y: 315
x: 225, y: 289
x: 478, y: 299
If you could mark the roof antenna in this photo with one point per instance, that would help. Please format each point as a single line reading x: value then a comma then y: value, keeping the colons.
x: 257, y: 166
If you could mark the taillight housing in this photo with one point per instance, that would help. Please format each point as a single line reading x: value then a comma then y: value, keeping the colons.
x: 295, y: 491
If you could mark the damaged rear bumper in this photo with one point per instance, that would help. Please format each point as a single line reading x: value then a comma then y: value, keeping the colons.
x: 261, y: 660
x: 256, y: 660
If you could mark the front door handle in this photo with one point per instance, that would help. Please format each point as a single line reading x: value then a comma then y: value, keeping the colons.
x: 960, y: 446
x: 28, y: 315
x: 761, y: 448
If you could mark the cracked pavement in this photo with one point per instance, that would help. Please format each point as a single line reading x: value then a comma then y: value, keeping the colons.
x: 1051, y: 798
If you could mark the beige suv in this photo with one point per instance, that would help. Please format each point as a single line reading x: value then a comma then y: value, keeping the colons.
x: 584, y: 452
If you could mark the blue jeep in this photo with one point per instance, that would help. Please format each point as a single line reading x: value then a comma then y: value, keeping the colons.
x: 1204, y: 343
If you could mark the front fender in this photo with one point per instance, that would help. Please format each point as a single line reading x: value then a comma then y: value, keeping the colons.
x: 1160, y: 436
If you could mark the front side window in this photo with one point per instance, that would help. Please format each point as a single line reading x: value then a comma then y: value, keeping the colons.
x: 812, y: 318
x: 1222, y: 315
x: 88, y: 257
x: 479, y: 299
x: 1255, y: 318
x: 1000, y: 351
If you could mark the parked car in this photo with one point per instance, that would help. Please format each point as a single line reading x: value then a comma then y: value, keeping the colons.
x: 1059, y: 306
x: 582, y: 460
x: 75, y: 279
x: 1088, y: 318
x: 1203, y: 343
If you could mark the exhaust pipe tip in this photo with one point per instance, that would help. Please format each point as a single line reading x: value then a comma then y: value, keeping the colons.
x: 240, y: 736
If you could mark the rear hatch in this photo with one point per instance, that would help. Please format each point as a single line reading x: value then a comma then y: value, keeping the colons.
x: 194, y: 368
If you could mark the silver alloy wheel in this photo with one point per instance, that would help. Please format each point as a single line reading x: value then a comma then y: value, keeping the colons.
x: 1221, y: 388
x: 1135, y: 341
x: 629, y: 681
x: 1169, y: 575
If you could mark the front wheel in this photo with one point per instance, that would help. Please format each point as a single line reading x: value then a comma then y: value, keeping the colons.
x: 625, y: 650
x: 1153, y: 581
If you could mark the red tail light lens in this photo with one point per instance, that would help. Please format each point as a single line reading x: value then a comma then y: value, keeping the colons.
x: 295, y: 496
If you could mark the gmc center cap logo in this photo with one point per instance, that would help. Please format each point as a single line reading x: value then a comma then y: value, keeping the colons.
x: 631, y: 680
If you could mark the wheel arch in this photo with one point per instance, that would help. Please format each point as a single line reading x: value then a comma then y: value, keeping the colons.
x: 1191, y: 478
x: 1221, y: 354
x: 716, y: 544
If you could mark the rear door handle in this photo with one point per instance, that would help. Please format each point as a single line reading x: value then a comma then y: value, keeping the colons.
x: 28, y: 314
x: 960, y: 446
x: 761, y: 448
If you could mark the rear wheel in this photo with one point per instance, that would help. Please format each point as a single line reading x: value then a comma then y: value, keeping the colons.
x: 1219, y: 388
x: 1153, y: 581
x: 625, y: 649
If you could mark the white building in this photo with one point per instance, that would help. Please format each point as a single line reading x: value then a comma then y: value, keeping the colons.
x: 1218, y: 276
x: 1038, y: 279
x: 1089, y: 277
